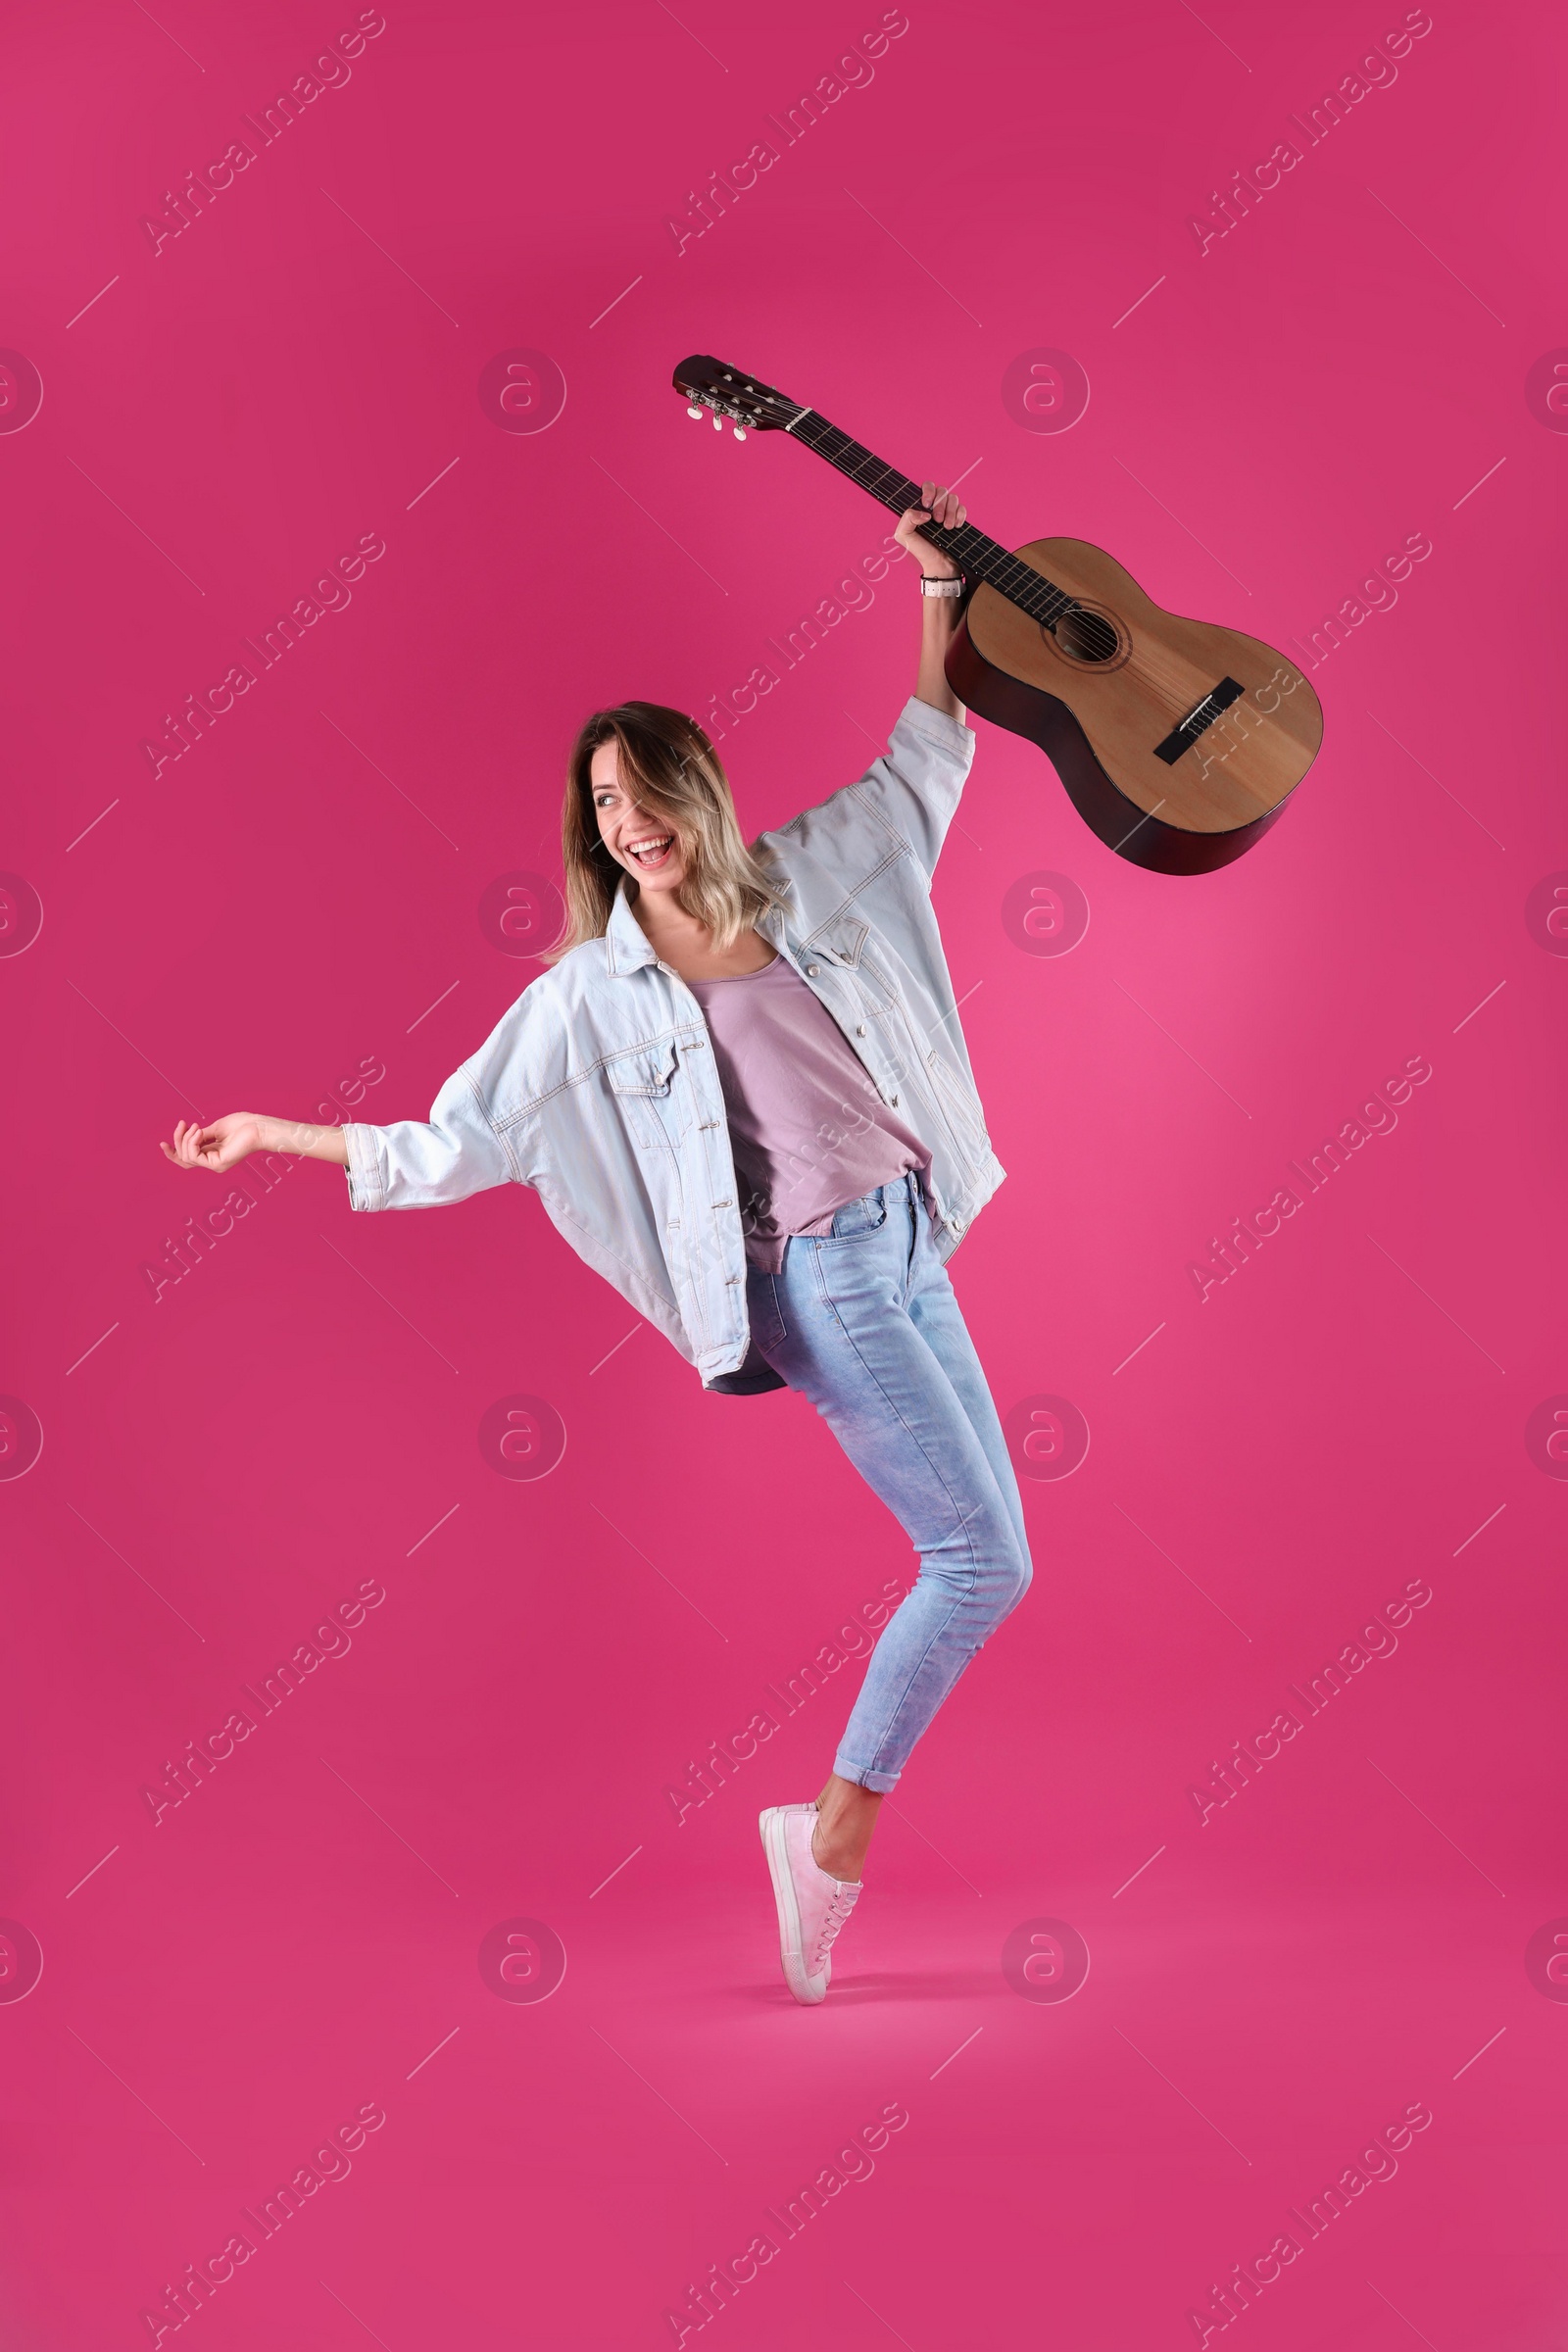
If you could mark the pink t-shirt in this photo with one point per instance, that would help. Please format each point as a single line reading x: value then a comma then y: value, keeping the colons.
x: 807, y: 1128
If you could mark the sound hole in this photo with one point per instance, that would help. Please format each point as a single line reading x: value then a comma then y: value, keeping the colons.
x: 1084, y: 635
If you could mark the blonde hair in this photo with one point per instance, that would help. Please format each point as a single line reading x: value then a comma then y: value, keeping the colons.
x: 666, y: 761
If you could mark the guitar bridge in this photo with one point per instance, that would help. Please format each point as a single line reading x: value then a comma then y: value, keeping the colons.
x: 1202, y: 715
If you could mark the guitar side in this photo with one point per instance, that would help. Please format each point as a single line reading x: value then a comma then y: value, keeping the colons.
x: 1179, y: 750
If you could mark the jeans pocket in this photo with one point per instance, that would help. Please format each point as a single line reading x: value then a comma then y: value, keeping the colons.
x: 858, y: 1218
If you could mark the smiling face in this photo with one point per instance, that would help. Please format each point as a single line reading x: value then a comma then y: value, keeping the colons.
x: 636, y: 837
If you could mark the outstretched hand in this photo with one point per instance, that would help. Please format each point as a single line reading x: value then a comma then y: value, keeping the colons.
x: 218, y: 1147
x: 939, y: 505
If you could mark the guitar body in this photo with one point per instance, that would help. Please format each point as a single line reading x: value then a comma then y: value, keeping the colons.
x: 1179, y: 745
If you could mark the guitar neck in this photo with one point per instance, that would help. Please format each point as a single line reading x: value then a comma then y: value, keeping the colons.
x: 976, y: 556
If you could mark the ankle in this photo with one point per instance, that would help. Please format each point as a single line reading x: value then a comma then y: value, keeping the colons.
x: 836, y: 1860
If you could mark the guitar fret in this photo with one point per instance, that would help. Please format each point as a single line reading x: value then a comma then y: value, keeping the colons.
x: 1017, y: 581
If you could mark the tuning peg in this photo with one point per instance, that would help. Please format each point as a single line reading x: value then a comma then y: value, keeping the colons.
x: 739, y: 432
x: 719, y: 424
x: 696, y: 415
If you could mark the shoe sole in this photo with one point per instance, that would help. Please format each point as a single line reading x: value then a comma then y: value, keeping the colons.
x: 808, y: 1990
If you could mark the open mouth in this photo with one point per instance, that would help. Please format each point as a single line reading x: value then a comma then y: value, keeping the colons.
x: 651, y: 853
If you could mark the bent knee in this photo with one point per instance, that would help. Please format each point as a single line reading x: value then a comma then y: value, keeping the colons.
x: 1011, y: 1576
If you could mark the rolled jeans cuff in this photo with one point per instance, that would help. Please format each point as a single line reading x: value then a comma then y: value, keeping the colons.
x: 880, y: 1784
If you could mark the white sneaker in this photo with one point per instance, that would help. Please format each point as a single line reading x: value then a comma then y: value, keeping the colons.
x: 811, y: 1907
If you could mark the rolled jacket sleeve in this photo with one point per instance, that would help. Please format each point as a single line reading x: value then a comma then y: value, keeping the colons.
x: 367, y: 1187
x: 424, y: 1164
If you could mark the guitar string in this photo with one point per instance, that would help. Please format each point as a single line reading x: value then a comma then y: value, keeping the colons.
x: 898, y: 491
x: 1030, y: 590
x: 1019, y: 582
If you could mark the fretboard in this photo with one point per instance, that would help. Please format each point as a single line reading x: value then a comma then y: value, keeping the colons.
x: 976, y: 556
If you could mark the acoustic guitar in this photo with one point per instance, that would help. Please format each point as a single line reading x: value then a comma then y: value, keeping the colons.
x: 1179, y: 742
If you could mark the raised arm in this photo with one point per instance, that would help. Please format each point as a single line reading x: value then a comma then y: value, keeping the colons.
x: 939, y: 614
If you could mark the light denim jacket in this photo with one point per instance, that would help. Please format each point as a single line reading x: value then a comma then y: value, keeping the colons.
x: 598, y: 1086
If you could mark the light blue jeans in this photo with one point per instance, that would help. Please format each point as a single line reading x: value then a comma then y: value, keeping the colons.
x: 865, y: 1323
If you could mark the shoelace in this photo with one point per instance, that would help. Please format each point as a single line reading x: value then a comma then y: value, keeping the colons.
x: 839, y: 1907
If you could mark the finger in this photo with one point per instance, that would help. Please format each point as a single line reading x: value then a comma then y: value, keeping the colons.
x: 927, y: 493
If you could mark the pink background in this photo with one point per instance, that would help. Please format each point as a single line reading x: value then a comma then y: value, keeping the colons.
x: 299, y: 894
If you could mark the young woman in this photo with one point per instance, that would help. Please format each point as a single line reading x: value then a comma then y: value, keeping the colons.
x: 742, y: 1092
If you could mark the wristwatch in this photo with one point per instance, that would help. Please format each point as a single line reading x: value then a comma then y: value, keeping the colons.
x: 931, y: 585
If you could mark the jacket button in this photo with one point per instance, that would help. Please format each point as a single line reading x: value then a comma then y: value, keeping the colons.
x: 957, y: 1224
x: 812, y: 970
x: 859, y: 1029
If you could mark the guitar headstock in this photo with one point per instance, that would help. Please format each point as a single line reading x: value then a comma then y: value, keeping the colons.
x: 751, y: 405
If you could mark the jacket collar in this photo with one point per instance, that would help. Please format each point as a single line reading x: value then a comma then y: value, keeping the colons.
x: 627, y: 946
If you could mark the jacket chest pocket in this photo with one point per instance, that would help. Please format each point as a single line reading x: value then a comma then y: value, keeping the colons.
x: 876, y: 990
x: 651, y: 1093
